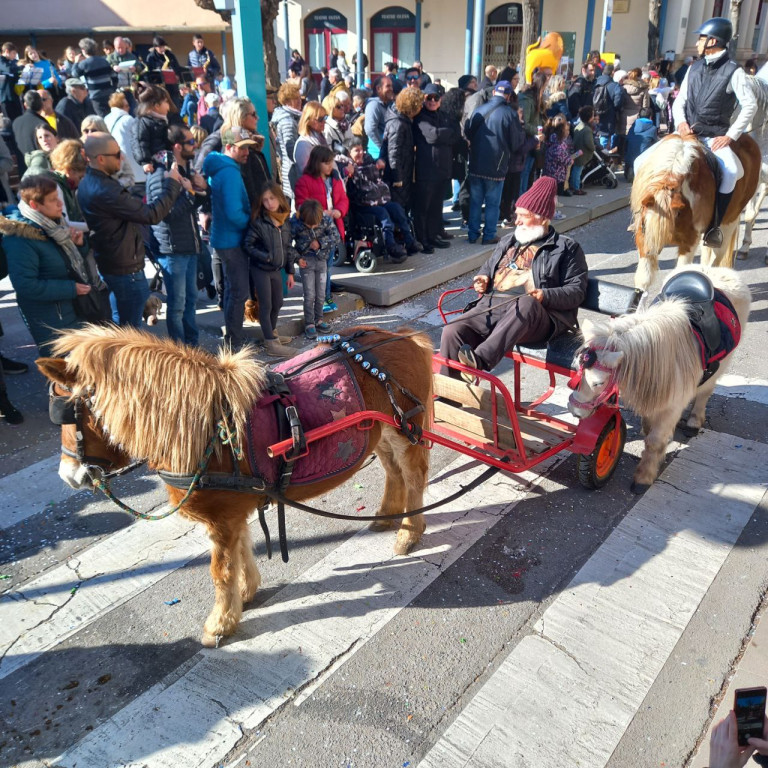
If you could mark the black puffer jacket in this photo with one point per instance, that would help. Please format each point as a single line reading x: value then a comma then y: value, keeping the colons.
x: 269, y: 247
x: 559, y: 268
x: 434, y: 137
x: 151, y: 136
x: 114, y: 215
x: 178, y: 232
x: 397, y: 149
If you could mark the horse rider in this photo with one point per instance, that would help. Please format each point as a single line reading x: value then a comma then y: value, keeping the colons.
x: 708, y: 95
x: 529, y: 290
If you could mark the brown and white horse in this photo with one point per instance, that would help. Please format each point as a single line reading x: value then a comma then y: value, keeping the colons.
x: 653, y: 358
x: 156, y: 399
x: 673, y: 199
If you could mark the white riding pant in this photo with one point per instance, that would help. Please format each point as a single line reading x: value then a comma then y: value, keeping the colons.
x: 730, y: 165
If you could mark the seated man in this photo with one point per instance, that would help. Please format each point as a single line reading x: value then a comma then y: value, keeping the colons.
x: 530, y: 289
x: 369, y: 194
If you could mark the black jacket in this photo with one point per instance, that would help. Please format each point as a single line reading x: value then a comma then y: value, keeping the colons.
x: 24, y: 128
x: 397, y: 149
x: 66, y: 129
x: 74, y: 110
x: 178, y: 232
x: 434, y: 137
x: 580, y: 95
x: 559, y: 268
x: 255, y: 170
x: 114, y: 216
x: 10, y: 69
x: 269, y: 247
x: 495, y: 134
x: 607, y: 121
x: 151, y: 136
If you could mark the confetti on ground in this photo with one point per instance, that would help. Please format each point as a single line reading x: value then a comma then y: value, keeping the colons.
x: 463, y: 640
x: 174, y: 601
x: 4, y: 576
x: 359, y: 486
x: 360, y: 509
x: 74, y: 589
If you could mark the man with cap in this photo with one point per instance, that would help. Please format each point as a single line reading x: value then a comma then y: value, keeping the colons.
x: 711, y: 88
x: 494, y: 133
x: 231, y: 214
x: 76, y: 105
x: 529, y: 290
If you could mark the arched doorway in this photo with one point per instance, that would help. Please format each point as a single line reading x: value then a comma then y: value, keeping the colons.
x: 504, y: 36
x: 393, y: 38
x: 323, y: 30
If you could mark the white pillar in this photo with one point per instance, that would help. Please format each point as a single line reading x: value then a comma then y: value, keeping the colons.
x: 675, y: 26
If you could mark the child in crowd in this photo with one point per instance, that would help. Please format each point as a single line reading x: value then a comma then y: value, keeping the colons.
x: 641, y: 136
x: 320, y: 181
x: 370, y: 195
x: 152, y: 142
x: 268, y: 246
x: 584, y: 142
x: 316, y: 238
x: 557, y: 161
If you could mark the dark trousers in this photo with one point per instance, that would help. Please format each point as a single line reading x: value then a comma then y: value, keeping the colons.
x: 509, y: 195
x: 403, y: 195
x: 269, y: 290
x: 428, y: 210
x: 493, y: 326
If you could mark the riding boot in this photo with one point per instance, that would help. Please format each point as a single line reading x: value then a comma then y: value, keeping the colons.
x: 714, y: 237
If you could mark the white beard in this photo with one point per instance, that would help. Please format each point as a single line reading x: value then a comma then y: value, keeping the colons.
x: 526, y: 235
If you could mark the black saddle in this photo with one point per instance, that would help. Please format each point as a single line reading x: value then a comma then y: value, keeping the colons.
x: 697, y: 289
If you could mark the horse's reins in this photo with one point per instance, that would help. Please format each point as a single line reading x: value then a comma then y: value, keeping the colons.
x: 588, y: 360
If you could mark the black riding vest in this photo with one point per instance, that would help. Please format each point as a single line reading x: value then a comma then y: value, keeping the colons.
x: 709, y: 106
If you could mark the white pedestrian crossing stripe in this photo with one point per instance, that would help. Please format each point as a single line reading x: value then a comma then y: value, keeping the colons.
x: 598, y: 648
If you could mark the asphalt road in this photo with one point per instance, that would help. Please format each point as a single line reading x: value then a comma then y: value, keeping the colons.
x: 348, y: 656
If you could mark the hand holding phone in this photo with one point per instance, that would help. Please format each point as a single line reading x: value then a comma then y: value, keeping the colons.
x: 749, y: 706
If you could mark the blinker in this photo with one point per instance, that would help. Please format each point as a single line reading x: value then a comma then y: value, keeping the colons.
x: 588, y: 358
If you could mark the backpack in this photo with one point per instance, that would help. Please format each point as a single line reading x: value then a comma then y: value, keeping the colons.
x: 601, y: 99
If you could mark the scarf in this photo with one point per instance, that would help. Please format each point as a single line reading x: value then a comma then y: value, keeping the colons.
x: 59, y: 233
x: 157, y: 115
x: 278, y: 217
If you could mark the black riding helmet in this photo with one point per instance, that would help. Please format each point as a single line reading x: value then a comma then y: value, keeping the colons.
x: 719, y: 28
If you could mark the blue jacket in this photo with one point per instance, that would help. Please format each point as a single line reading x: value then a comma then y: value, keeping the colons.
x: 607, y: 121
x: 38, y: 270
x: 495, y: 134
x: 640, y: 137
x: 231, y: 211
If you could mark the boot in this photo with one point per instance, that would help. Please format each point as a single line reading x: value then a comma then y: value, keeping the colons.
x: 714, y: 237
x: 7, y: 411
x: 276, y: 349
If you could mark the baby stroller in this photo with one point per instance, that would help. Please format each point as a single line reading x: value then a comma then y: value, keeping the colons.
x: 599, y: 170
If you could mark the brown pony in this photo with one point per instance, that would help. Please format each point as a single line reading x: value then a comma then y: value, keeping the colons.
x: 159, y: 400
x: 673, y: 198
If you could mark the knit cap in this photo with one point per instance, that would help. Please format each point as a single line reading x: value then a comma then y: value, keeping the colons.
x: 540, y: 198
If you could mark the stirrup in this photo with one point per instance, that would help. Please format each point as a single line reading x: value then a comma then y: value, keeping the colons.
x: 714, y: 238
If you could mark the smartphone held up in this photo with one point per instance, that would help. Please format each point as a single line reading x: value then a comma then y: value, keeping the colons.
x: 749, y: 706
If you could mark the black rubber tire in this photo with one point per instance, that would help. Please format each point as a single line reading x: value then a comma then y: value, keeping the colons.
x: 586, y: 465
x: 366, y: 261
x: 339, y: 258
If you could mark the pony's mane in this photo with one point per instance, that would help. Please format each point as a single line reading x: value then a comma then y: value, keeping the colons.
x: 157, y: 399
x: 659, y: 353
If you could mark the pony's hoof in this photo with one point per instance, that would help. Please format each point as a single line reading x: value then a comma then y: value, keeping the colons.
x: 404, y: 544
x: 639, y: 488
x: 380, y: 525
x: 210, y: 641
x: 688, y: 430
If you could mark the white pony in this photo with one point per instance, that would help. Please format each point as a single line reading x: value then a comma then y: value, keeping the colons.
x: 654, y: 359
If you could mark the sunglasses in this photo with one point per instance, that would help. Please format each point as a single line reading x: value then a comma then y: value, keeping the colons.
x: 251, y: 114
x: 412, y: 77
x: 321, y: 119
x: 90, y: 130
x: 191, y: 142
x: 432, y: 98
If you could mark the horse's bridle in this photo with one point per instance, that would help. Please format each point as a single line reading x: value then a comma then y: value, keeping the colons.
x: 587, y: 360
x: 69, y: 410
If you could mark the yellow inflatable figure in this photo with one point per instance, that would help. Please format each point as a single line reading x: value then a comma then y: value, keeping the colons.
x: 543, y: 54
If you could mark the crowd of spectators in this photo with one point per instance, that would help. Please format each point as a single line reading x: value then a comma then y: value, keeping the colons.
x: 152, y: 156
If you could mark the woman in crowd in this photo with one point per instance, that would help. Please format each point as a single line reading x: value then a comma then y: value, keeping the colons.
x: 311, y: 134
x: 270, y: 251
x: 37, y: 71
x: 68, y: 168
x: 434, y: 138
x: 162, y: 58
x: 636, y: 96
x: 397, y: 147
x: 531, y: 104
x: 46, y: 262
x: 336, y: 130
x: 121, y: 124
x: 285, y: 120
x: 557, y: 99
x: 38, y: 160
x: 452, y: 105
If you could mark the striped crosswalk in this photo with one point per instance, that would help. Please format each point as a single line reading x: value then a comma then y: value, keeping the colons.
x: 565, y: 692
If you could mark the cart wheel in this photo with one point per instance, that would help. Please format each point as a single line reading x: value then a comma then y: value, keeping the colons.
x: 596, y: 469
x: 366, y: 261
